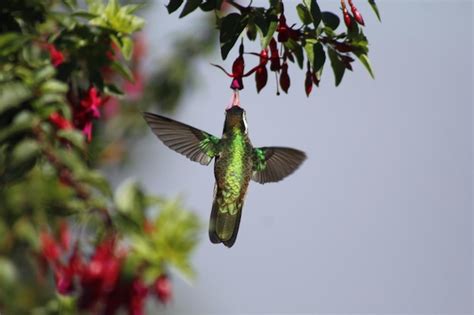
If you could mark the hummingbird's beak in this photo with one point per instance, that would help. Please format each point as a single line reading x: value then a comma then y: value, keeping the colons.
x: 235, y: 100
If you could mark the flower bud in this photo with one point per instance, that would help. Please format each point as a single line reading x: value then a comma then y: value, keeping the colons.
x: 274, y: 58
x: 356, y: 14
x: 261, y: 77
x: 347, y: 18
x: 308, y: 82
x: 284, y: 78
x: 162, y: 288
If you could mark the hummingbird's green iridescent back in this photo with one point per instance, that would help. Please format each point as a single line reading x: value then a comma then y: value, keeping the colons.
x: 233, y: 170
x: 236, y: 163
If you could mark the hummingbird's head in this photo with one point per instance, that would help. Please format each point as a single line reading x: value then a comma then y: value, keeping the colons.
x: 235, y: 118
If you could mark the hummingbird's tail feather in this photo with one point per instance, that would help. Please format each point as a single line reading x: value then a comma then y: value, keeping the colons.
x: 225, y: 221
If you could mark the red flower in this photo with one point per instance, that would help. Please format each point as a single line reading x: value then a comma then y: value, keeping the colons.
x: 59, y: 121
x: 284, y: 78
x: 56, y: 56
x: 308, y: 82
x: 275, y: 58
x: 347, y: 17
x: 49, y: 247
x: 162, y: 288
x: 137, y: 297
x: 285, y: 32
x: 88, y: 110
x: 356, y: 13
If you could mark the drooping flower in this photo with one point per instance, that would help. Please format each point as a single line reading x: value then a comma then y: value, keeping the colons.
x: 59, y: 121
x: 357, y: 16
x: 162, y: 288
x: 56, y: 56
x: 87, y: 110
x: 284, y: 77
x: 274, y: 56
x: 308, y: 82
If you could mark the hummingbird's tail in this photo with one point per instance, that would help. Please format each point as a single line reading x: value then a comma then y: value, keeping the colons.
x: 225, y: 220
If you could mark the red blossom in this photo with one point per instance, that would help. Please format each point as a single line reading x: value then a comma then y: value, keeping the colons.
x: 347, y: 17
x: 275, y: 58
x: 137, y: 298
x: 87, y: 110
x: 49, y: 248
x: 357, y: 16
x: 308, y: 82
x: 59, y: 121
x: 285, y: 32
x: 284, y: 78
x: 56, y: 56
x: 162, y: 288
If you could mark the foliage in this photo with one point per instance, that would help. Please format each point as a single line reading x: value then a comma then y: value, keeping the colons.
x: 69, y: 243
x: 306, y: 45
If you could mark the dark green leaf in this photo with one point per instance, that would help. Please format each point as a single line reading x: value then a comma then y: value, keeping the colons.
x: 189, y: 7
x: 297, y: 50
x: 11, y: 42
x: 123, y: 70
x: 231, y: 27
x: 304, y: 14
x: 375, y: 8
x: 330, y: 19
x: 210, y: 5
x: 314, y: 10
x: 75, y: 137
x: 364, y: 59
x: 174, y: 5
x: 319, y: 57
x: 112, y: 89
x: 271, y: 30
x: 13, y: 94
x: 337, y: 65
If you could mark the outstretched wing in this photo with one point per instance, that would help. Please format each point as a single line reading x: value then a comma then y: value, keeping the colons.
x: 272, y: 164
x: 195, y: 144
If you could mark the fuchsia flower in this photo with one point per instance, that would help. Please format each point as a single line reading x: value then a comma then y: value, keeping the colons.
x: 57, y: 57
x: 284, y: 77
x: 162, y: 288
x: 59, y: 121
x: 275, y: 57
x: 88, y: 110
x: 357, y: 16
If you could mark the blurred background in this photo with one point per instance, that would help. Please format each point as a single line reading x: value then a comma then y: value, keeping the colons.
x: 379, y: 217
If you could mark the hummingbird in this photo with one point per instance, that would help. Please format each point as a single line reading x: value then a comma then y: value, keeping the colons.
x: 236, y: 162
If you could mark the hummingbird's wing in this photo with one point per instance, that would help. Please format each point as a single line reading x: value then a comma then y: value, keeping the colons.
x: 195, y: 144
x: 272, y: 164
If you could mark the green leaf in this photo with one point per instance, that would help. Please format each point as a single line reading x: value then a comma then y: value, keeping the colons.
x: 309, y: 48
x: 319, y: 57
x: 337, y: 65
x: 126, y: 47
x: 271, y: 30
x: 189, y: 7
x: 330, y: 19
x: 72, y: 4
x: 364, y: 59
x: 75, y: 137
x: 96, y: 180
x: 54, y: 86
x: 130, y: 200
x: 304, y: 14
x: 174, y: 5
x: 313, y: 8
x: 123, y: 70
x: 231, y: 27
x: 13, y: 94
x: 11, y: 42
x: 113, y: 90
x: 296, y: 48
x: 375, y: 9
x: 210, y: 5
x: 84, y: 14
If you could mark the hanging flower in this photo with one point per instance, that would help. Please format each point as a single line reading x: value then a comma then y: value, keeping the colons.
x: 284, y: 77
x: 56, y: 56
x: 59, y: 121
x: 162, y: 288
x: 87, y: 110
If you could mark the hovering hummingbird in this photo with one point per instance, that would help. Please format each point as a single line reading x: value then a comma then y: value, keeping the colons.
x: 236, y: 162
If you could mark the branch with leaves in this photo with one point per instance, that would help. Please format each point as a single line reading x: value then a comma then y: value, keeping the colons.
x: 69, y: 243
x: 306, y: 44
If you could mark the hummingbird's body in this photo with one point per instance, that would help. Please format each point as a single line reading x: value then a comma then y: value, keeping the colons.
x: 236, y: 163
